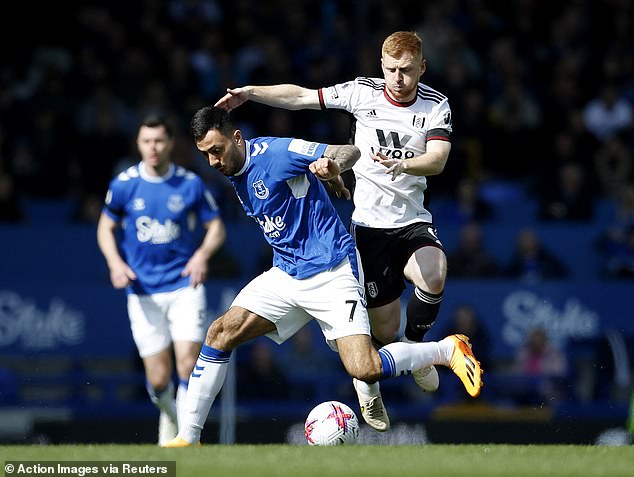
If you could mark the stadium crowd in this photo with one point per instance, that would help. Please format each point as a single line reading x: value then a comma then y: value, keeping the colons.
x: 541, y: 93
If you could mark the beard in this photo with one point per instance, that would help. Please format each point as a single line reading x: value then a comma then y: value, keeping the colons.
x: 404, y: 93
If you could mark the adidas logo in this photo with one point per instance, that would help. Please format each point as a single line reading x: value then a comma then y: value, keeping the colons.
x: 470, y: 367
x: 371, y: 114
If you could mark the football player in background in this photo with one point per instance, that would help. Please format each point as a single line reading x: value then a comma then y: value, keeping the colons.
x: 161, y: 262
x: 315, y: 273
x: 402, y: 128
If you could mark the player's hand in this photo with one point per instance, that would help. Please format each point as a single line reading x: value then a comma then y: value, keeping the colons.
x: 392, y: 166
x: 337, y: 187
x: 196, y: 269
x: 234, y: 98
x: 324, y: 168
x: 121, y: 275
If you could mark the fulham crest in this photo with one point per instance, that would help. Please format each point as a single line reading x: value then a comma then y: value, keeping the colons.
x: 373, y: 290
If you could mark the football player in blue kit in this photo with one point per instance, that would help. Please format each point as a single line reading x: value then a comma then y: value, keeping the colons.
x: 315, y: 272
x: 162, y: 262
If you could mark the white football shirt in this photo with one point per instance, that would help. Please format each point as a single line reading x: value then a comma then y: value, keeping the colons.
x: 398, y: 130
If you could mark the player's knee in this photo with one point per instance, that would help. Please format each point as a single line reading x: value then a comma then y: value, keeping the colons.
x: 368, y: 374
x: 434, y: 282
x: 382, y: 335
x: 221, y: 335
x: 158, y: 378
x: 185, y: 365
x: 385, y: 322
x: 368, y: 371
x: 158, y: 370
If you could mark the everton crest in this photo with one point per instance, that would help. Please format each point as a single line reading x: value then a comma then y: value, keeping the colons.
x: 175, y: 203
x: 261, y: 191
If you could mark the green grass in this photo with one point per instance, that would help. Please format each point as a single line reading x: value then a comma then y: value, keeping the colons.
x: 348, y: 461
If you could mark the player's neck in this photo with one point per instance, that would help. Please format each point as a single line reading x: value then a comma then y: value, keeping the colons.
x: 410, y: 97
x: 157, y: 170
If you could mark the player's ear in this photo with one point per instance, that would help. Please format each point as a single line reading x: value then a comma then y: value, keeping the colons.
x: 237, y: 136
x: 423, y: 66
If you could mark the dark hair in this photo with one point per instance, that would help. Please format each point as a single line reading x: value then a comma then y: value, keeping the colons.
x: 208, y: 118
x: 158, y: 120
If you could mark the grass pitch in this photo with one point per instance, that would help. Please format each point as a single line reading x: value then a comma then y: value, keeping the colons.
x: 348, y: 461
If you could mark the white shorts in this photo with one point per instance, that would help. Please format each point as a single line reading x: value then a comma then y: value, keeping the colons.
x: 334, y: 298
x: 157, y: 320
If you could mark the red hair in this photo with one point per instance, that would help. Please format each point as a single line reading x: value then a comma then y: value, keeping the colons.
x: 403, y: 41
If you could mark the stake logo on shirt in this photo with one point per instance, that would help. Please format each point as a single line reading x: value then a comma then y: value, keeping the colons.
x: 151, y: 230
x: 271, y: 225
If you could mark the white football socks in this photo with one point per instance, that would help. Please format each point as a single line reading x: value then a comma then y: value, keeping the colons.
x: 164, y: 399
x: 181, y: 395
x: 205, y: 383
x: 402, y: 358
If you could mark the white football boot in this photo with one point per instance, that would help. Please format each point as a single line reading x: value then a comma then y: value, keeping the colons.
x: 168, y: 428
x: 426, y: 378
x: 372, y: 409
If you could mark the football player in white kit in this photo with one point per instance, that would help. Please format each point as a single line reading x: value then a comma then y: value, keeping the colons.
x: 402, y: 128
x: 315, y: 273
x: 161, y: 262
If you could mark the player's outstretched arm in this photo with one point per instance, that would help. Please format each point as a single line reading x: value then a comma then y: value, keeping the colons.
x: 345, y: 155
x: 285, y: 96
x: 234, y: 98
x: 335, y: 160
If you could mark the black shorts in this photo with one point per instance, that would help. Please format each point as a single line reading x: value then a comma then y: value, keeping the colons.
x: 384, y: 254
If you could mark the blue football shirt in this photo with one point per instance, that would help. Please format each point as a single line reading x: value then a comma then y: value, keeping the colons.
x: 292, y: 206
x: 161, y: 219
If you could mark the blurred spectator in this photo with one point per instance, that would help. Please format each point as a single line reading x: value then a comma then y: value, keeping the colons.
x: 105, y: 144
x: 570, y: 198
x: 259, y: 376
x: 612, y: 243
x: 470, y: 150
x: 307, y: 359
x: 11, y: 209
x: 88, y: 208
x: 223, y: 264
x: 608, y: 114
x: 531, y: 262
x: 539, y: 358
x: 468, y: 204
x: 570, y: 145
x: 470, y: 259
x: 465, y: 320
x: 40, y: 159
x: 309, y: 363
x: 619, y: 263
x: 515, y: 117
x: 613, y: 166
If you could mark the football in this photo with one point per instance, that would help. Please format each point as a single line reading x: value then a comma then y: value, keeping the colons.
x: 331, y: 423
